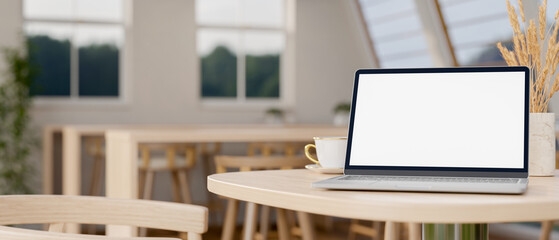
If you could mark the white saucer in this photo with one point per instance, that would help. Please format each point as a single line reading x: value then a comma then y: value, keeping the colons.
x: 319, y: 169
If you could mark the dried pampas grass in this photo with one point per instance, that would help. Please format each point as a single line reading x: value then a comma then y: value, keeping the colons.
x: 538, y: 49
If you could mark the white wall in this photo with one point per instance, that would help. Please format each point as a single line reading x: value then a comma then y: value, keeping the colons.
x: 163, y: 77
x: 10, y: 28
x: 161, y: 67
x: 329, y: 50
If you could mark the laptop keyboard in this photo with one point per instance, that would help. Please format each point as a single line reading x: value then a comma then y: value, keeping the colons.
x: 430, y: 179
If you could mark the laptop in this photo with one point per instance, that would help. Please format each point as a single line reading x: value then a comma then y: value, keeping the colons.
x: 438, y: 130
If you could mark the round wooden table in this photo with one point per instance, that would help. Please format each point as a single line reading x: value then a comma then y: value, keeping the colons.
x: 291, y: 189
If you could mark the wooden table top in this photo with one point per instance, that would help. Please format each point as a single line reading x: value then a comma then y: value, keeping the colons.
x: 291, y: 189
x: 228, y: 133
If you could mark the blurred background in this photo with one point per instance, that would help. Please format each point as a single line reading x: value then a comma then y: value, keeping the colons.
x: 232, y: 61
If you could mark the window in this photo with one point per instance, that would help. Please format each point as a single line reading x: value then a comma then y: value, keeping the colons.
x: 76, y: 44
x: 474, y: 28
x: 396, y: 31
x: 241, y: 45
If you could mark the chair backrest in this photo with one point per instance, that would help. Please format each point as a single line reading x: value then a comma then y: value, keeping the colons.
x: 249, y: 163
x: 57, y: 210
x: 275, y: 148
x: 171, y: 151
x: 13, y: 233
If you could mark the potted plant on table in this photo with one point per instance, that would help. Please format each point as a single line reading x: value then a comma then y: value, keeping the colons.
x: 537, y: 47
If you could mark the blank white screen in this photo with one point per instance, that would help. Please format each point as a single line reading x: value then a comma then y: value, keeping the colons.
x: 439, y: 120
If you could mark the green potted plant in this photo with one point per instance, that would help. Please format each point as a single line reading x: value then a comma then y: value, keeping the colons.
x: 341, y: 113
x: 15, y: 139
x: 274, y: 116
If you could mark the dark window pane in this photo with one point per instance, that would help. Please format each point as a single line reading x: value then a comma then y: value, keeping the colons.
x: 219, y: 73
x: 262, y: 63
x: 98, y: 70
x: 262, y: 76
x: 52, y: 57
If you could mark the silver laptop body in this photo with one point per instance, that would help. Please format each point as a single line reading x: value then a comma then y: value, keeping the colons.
x: 438, y: 130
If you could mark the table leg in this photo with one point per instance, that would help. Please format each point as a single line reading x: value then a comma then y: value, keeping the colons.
x: 71, y: 168
x: 283, y: 227
x: 391, y: 231
x: 307, y: 227
x: 414, y: 231
x: 48, y: 162
x: 249, y: 228
x: 455, y: 231
x: 121, y: 170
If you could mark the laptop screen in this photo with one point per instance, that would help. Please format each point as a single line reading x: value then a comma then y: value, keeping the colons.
x: 455, y: 118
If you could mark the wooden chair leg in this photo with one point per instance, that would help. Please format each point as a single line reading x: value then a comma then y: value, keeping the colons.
x: 547, y: 226
x: 283, y: 226
x: 95, y: 187
x: 184, y: 187
x: 147, y: 194
x: 148, y: 187
x: 294, y: 230
x: 307, y: 229
x: 249, y: 227
x: 229, y: 220
x: 141, y: 183
x: 352, y: 233
x: 379, y: 227
x: 264, y: 221
x: 176, y: 186
x: 357, y: 227
x: 414, y: 231
x: 391, y: 231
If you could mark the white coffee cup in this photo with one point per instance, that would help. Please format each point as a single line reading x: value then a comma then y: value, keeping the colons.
x: 329, y: 150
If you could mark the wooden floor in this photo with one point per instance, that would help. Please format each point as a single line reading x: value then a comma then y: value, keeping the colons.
x: 340, y: 231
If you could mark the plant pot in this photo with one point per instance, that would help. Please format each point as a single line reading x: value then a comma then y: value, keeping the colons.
x: 341, y: 118
x: 271, y: 118
x: 541, y: 154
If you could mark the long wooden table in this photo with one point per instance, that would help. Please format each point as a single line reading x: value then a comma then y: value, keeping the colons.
x: 122, y: 149
x: 291, y: 189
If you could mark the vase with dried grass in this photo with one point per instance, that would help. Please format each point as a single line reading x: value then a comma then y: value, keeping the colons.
x: 537, y: 47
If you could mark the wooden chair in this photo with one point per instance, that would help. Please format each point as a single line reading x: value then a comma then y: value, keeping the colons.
x: 94, y: 147
x: 379, y: 230
x: 57, y: 210
x: 275, y: 148
x: 249, y: 163
x: 177, y: 159
x: 171, y: 161
x: 372, y: 229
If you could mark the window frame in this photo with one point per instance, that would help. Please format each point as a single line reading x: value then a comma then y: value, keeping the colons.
x: 74, y: 99
x: 286, y: 67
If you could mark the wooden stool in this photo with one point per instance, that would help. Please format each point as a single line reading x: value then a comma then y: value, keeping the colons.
x: 177, y: 160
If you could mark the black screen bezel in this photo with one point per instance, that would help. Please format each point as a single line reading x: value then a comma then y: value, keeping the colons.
x: 439, y: 171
